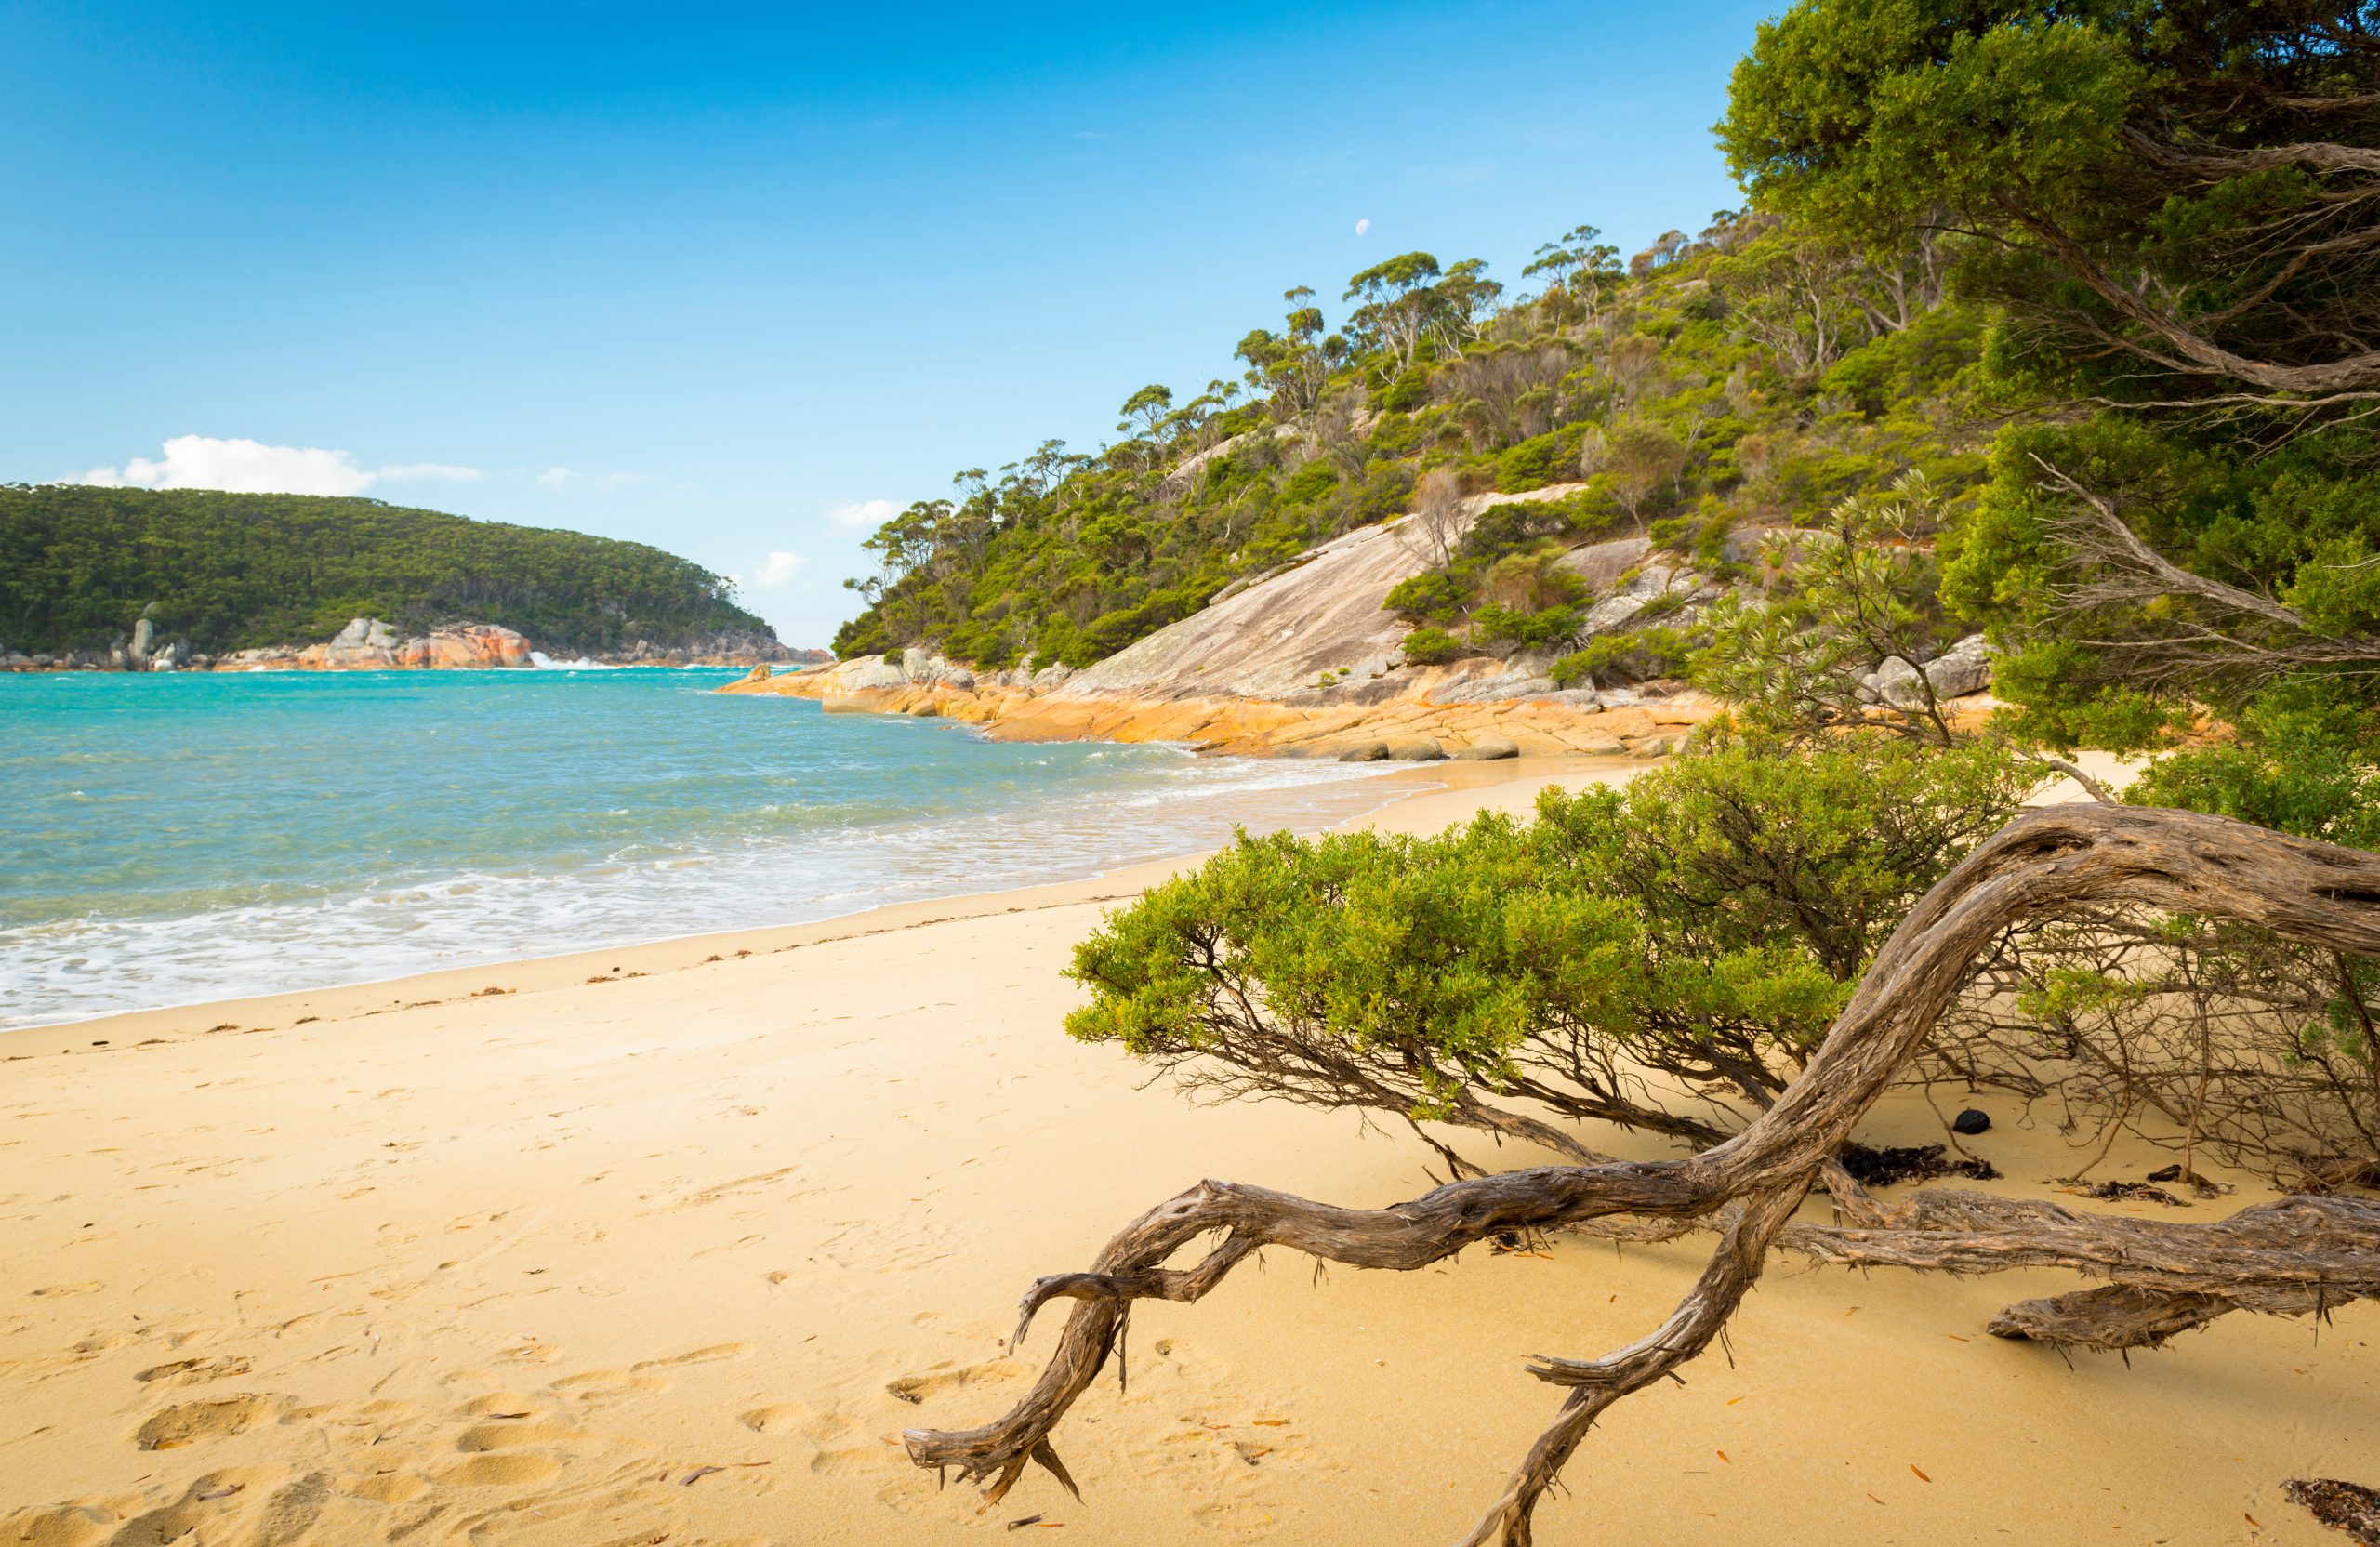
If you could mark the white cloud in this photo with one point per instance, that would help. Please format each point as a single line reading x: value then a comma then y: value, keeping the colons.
x: 1363, y: 226
x: 864, y: 513
x: 570, y: 478
x: 778, y: 568
x: 252, y: 468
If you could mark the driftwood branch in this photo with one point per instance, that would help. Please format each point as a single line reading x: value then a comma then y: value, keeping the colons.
x: 2300, y: 1254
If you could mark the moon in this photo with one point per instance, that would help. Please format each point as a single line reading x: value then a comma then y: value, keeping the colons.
x: 1362, y: 225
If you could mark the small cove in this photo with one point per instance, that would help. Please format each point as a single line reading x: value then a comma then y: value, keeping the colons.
x: 172, y: 838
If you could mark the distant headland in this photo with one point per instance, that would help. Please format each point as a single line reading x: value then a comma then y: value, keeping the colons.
x: 178, y: 579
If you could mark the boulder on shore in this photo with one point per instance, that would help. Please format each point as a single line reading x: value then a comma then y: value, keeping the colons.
x: 1489, y: 749
x: 1366, y: 751
x: 1422, y: 750
x: 1964, y: 668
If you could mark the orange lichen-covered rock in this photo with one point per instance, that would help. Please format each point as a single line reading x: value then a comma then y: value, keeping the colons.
x: 1322, y: 725
x: 368, y: 644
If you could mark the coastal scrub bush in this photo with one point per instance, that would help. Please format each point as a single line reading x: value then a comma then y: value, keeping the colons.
x: 1852, y: 593
x: 1636, y: 655
x: 1663, y: 957
x: 1432, y: 595
x: 1542, y: 629
x: 1432, y: 647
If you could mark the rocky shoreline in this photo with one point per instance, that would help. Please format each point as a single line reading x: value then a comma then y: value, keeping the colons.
x: 370, y: 645
x: 1305, y: 660
x: 1478, y: 709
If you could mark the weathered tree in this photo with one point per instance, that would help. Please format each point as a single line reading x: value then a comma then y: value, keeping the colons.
x: 1585, y: 268
x: 1291, y: 367
x: 1436, y: 523
x: 1399, y: 300
x: 1641, y: 458
x: 2187, y: 191
x: 1852, y: 598
x: 2297, y: 1256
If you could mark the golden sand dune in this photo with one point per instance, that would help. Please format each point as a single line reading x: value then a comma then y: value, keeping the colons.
x: 666, y: 1245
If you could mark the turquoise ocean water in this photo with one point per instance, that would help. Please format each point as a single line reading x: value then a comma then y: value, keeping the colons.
x: 172, y: 838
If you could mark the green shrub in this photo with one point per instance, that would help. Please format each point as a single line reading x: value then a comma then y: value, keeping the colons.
x: 1434, y: 595
x: 1310, y: 483
x: 1633, y: 657
x: 1385, y: 490
x: 1539, y: 630
x: 1432, y: 647
x: 1535, y: 462
x: 1409, y: 391
x: 1705, y: 923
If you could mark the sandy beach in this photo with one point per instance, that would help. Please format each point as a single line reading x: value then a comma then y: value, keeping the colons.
x: 667, y: 1244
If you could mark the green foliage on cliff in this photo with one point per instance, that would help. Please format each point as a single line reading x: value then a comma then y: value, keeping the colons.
x: 2106, y: 274
x: 79, y: 566
x: 1726, y: 379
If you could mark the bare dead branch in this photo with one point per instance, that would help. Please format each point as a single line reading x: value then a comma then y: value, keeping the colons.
x: 2217, y: 166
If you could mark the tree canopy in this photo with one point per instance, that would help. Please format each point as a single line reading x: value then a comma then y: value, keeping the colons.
x: 1728, y: 378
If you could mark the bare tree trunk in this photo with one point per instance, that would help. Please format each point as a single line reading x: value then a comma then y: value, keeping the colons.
x: 2299, y: 1254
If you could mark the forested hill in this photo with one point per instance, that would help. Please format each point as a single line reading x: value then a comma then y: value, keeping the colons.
x: 79, y: 566
x: 1740, y: 377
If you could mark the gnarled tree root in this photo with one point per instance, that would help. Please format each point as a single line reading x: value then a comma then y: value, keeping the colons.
x: 2300, y: 1254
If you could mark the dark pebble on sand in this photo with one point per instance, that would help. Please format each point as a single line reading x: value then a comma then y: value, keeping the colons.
x: 1972, y: 1121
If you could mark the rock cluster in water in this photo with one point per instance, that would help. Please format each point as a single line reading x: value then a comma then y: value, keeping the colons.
x: 368, y: 644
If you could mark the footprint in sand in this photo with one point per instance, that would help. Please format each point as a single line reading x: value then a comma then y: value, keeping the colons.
x: 712, y: 1354
x: 186, y: 1422
x: 69, y: 1525
x: 775, y: 1419
x: 529, y: 1353
x: 363, y: 1427
x: 1244, y: 1516
x: 853, y: 1461
x: 880, y: 1248
x: 192, y: 1372
x: 945, y: 1377
x: 217, y: 1506
x: 512, y: 1435
x: 795, y: 1418
x: 499, y: 1469
x: 386, y: 1488
x: 600, y: 1388
x: 57, y: 1291
x: 737, y: 1245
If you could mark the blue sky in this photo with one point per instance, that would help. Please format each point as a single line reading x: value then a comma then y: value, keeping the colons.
x: 717, y: 278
